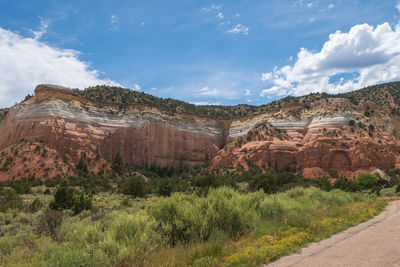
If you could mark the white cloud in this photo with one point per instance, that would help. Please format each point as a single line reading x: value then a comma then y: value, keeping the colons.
x: 398, y: 6
x: 136, y: 87
x: 206, y: 103
x: 311, y: 20
x: 205, y: 91
x: 43, y: 28
x: 247, y: 92
x: 237, y: 15
x: 113, y: 19
x: 330, y: 6
x: 142, y: 24
x: 310, y: 4
x: 26, y: 62
x: 364, y: 56
x: 212, y: 7
x: 220, y: 15
x: 239, y: 28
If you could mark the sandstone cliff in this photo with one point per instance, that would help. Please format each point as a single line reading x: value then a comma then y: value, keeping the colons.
x: 313, y: 134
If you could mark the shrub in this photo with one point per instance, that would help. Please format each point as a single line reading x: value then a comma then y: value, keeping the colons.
x: 224, y: 209
x: 9, y: 199
x: 82, y: 202
x: 81, y: 167
x: 346, y: 185
x: 272, y: 182
x: 63, y: 198
x: 178, y: 218
x: 134, y: 186
x: 35, y: 205
x: 139, y: 229
x: 271, y: 208
x: 118, y: 164
x: 367, y: 180
x: 49, y: 222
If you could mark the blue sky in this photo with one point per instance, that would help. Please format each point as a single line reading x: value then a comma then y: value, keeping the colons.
x: 225, y: 52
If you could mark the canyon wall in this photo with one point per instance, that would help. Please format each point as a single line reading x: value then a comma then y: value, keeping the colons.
x: 313, y: 140
x: 143, y: 135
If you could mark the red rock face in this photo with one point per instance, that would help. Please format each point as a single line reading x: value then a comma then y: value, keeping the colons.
x: 143, y: 137
x: 348, y: 154
x: 313, y: 141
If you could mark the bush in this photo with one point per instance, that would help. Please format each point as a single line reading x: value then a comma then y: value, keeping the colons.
x: 9, y: 199
x: 63, y: 198
x: 118, y: 164
x: 272, y: 182
x: 67, y: 198
x: 134, y: 186
x: 367, y: 180
x: 35, y: 205
x: 82, y: 202
x: 346, y: 185
x: 49, y: 222
x: 185, y: 218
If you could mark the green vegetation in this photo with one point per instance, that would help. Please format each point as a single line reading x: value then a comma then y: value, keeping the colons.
x: 383, y: 95
x: 223, y: 228
x: 3, y: 113
x: 67, y: 197
x: 367, y: 180
x: 124, y: 97
x: 9, y: 199
x: 177, y: 216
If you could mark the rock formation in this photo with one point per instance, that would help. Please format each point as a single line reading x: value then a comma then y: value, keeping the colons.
x: 314, y: 135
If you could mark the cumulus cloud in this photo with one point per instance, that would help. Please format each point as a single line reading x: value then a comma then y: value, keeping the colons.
x: 206, y: 103
x: 364, y: 56
x: 206, y: 91
x: 113, y: 19
x: 26, y: 62
x: 136, y: 87
x: 247, y: 92
x: 43, y: 28
x: 330, y: 6
x: 212, y: 7
x: 239, y: 28
x: 220, y: 15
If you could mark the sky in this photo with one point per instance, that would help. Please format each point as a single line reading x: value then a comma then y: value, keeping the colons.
x: 203, y: 52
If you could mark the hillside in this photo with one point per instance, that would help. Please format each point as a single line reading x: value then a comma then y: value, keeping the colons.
x: 317, y: 134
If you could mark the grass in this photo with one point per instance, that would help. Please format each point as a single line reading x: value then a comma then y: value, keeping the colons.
x: 226, y: 228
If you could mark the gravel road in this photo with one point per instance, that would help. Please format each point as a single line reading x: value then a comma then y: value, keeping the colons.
x: 373, y: 243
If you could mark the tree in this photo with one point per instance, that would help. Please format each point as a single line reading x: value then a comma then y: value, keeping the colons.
x: 367, y: 180
x: 118, y: 164
x: 346, y: 185
x: 134, y: 186
x: 82, y: 202
x: 371, y: 127
x: 9, y: 199
x: 63, y: 198
x: 81, y: 166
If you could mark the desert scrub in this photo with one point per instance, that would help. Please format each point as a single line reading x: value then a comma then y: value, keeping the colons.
x: 224, y: 228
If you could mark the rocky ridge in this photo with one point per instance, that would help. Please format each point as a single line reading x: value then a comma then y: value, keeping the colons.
x: 314, y: 134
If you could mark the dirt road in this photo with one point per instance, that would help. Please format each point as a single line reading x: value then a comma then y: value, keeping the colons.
x: 373, y: 243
